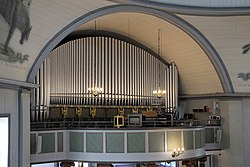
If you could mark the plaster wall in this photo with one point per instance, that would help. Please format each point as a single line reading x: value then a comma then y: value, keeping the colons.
x: 232, y: 137
x: 228, y: 35
x: 9, y: 105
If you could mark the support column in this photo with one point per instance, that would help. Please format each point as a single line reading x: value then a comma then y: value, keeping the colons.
x: 245, y: 130
x: 24, y: 128
x: 232, y: 137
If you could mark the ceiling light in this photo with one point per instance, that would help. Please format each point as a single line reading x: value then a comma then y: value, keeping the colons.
x: 159, y: 92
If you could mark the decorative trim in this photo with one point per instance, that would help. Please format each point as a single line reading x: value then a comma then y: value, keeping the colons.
x: 175, y: 20
x: 190, y: 10
x: 14, y: 84
x: 216, y: 96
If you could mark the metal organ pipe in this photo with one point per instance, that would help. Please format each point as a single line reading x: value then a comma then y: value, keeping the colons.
x: 87, y: 64
x: 171, y: 101
x: 61, y: 72
x: 74, y: 74
x: 75, y: 78
x: 100, y: 67
x: 127, y: 73
x: 121, y: 74
x: 115, y: 73
x: 79, y: 72
x: 39, y: 100
x: 39, y: 94
x: 176, y: 86
x: 170, y: 88
x: 83, y: 70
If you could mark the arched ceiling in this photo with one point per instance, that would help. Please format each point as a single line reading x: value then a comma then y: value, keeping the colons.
x: 197, y: 73
x: 49, y: 19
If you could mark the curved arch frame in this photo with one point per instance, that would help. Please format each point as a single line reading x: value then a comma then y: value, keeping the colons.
x: 103, y: 33
x: 191, y: 9
x: 175, y: 20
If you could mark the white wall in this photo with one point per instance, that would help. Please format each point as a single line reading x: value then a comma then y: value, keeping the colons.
x: 24, y: 128
x: 9, y: 105
x: 42, y: 31
x: 235, y: 125
x: 245, y: 129
x: 16, y: 103
x: 227, y: 35
x: 232, y: 140
x: 4, y: 141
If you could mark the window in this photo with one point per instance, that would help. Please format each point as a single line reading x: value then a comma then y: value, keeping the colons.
x: 4, y: 141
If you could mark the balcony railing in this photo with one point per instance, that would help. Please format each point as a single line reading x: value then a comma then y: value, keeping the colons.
x: 69, y: 123
x: 117, y: 145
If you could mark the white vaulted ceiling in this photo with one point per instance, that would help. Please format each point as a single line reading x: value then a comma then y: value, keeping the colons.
x: 194, y: 67
x: 197, y: 73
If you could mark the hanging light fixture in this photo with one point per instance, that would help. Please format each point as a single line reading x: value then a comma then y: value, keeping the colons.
x: 159, y: 92
x: 95, y: 91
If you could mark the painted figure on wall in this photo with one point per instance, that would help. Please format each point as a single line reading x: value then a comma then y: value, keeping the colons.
x: 245, y: 48
x: 16, y: 15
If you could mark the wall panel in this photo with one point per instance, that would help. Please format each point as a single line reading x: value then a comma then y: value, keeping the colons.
x: 9, y: 106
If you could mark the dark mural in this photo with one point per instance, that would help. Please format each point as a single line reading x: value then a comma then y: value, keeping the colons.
x: 245, y: 48
x: 16, y: 15
x: 244, y: 76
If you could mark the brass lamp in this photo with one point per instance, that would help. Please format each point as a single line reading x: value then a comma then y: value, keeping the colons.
x: 177, y: 152
x: 95, y: 91
x: 159, y: 92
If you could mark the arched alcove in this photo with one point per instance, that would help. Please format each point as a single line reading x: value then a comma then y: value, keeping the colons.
x: 180, y: 24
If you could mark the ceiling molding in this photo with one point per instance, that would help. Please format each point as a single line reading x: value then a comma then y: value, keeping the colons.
x: 216, y: 96
x: 14, y: 84
x: 190, y: 10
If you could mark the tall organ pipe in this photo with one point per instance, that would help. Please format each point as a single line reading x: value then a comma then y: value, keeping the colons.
x: 127, y: 73
x: 171, y: 101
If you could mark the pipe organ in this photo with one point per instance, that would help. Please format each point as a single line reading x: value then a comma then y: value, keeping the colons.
x: 126, y: 73
x: 171, y: 85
